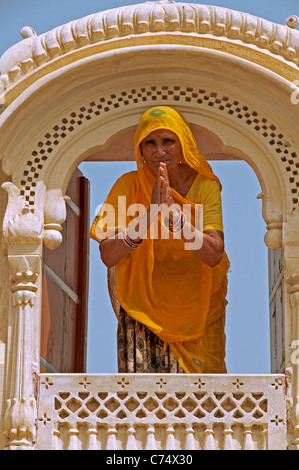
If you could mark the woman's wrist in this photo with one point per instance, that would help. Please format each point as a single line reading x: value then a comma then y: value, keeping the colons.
x: 177, y: 223
x: 128, y: 240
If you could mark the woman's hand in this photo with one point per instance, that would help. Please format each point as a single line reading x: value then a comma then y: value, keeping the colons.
x: 156, y: 192
x: 166, y: 195
x: 210, y: 242
x: 162, y: 194
x: 161, y: 191
x: 113, y: 250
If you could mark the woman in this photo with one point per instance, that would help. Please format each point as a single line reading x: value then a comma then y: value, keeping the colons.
x: 170, y: 274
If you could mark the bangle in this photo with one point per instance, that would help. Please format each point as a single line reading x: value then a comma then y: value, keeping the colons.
x: 178, y: 226
x: 169, y: 223
x: 127, y: 240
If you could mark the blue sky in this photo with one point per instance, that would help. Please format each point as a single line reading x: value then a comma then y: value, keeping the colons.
x: 247, y: 326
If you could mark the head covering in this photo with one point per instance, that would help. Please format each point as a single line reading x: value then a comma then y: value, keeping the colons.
x: 161, y: 284
x: 164, y: 117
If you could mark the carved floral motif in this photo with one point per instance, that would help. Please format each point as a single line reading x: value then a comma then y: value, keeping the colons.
x: 20, y: 226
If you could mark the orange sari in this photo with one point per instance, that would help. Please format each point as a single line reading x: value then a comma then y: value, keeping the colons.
x: 161, y: 284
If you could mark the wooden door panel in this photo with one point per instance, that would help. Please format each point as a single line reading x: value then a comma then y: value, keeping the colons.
x: 65, y: 287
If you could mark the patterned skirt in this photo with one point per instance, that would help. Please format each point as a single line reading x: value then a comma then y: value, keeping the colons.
x: 139, y: 350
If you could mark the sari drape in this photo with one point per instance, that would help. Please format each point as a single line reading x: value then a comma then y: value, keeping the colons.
x: 161, y: 283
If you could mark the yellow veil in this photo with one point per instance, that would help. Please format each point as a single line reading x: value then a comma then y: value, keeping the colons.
x: 164, y: 117
x: 161, y: 284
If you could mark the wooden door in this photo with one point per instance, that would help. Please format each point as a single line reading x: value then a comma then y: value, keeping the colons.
x: 65, y: 287
x: 276, y: 303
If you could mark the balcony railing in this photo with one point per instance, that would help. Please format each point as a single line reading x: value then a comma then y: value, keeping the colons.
x: 161, y: 412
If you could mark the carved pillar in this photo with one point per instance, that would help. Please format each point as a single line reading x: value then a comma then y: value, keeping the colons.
x: 20, y: 415
x: 23, y: 234
x: 293, y: 293
x: 291, y: 262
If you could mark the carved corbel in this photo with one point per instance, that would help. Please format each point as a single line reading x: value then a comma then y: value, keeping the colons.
x: 54, y: 216
x: 273, y: 236
x: 20, y: 225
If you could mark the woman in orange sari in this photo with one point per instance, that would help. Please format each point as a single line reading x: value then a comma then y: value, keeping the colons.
x: 170, y: 270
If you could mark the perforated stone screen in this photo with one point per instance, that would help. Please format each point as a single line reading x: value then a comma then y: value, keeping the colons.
x: 152, y: 411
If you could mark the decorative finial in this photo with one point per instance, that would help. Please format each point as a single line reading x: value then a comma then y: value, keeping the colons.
x: 27, y: 32
x: 292, y: 21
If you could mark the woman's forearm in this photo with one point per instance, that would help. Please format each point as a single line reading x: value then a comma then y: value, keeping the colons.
x: 207, y: 245
x: 113, y: 250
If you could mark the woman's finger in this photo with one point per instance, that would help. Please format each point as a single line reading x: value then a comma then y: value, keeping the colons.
x: 166, y: 193
x: 166, y: 174
x: 156, y: 192
x: 163, y: 190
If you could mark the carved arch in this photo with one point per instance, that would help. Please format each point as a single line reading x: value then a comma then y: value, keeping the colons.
x: 88, y: 112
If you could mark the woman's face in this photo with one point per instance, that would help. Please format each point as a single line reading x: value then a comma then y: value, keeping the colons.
x: 163, y: 146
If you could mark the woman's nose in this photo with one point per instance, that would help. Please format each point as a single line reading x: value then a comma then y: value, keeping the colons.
x: 160, y: 151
